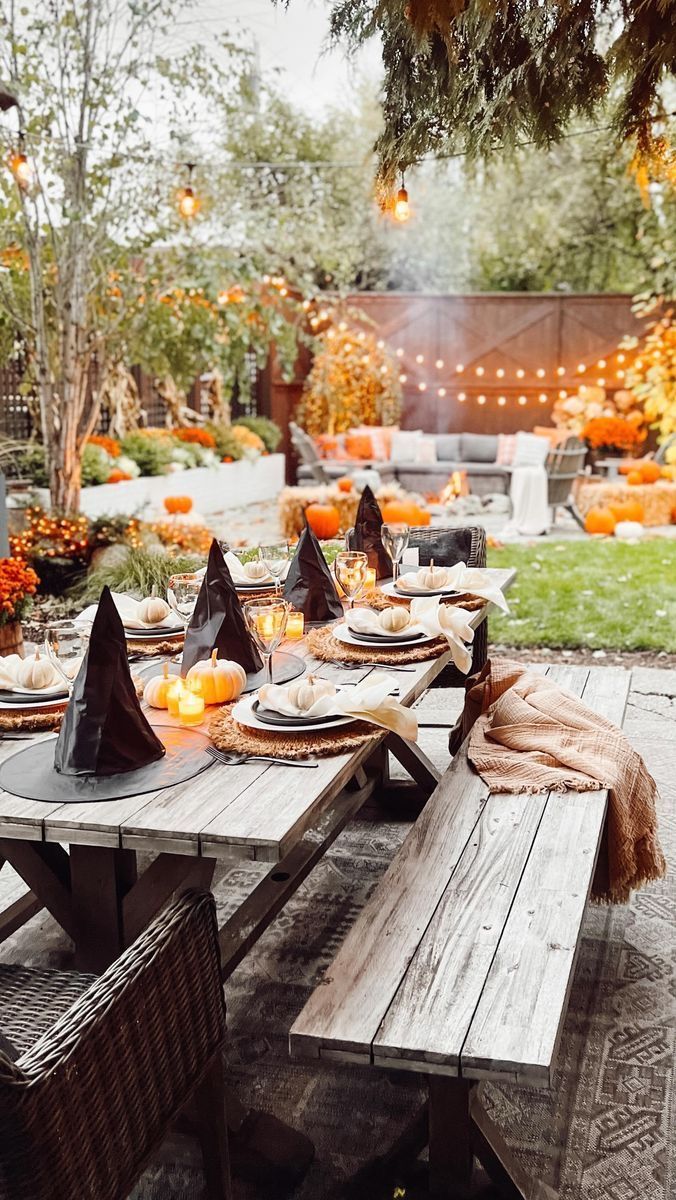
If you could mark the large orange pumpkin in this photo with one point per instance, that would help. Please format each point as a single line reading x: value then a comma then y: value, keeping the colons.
x: 424, y: 517
x: 650, y: 471
x: 401, y: 510
x: 344, y: 483
x: 323, y: 519
x: 635, y: 478
x: 599, y: 520
x: 627, y: 510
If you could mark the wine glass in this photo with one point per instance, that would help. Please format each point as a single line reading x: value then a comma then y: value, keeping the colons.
x: 65, y: 645
x: 275, y: 559
x: 266, y: 618
x: 350, y: 567
x: 394, y: 536
x: 182, y: 593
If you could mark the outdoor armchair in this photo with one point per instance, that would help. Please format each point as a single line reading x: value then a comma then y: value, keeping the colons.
x: 91, y: 1094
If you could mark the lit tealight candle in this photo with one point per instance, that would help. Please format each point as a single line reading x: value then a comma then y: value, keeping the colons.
x: 190, y: 708
x: 295, y: 626
x: 265, y: 623
x: 174, y: 694
x: 370, y: 579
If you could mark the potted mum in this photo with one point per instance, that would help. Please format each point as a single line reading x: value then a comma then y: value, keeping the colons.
x: 18, y: 584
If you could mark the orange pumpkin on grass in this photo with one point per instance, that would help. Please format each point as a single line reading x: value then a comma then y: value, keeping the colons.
x: 600, y: 520
x: 323, y: 519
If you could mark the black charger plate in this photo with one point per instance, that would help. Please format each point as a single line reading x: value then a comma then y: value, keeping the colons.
x: 31, y: 698
x: 386, y: 641
x: 270, y: 718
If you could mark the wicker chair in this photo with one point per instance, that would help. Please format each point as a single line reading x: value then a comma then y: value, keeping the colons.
x: 91, y: 1094
x: 447, y: 545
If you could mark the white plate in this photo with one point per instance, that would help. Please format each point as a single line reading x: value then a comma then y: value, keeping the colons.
x: 54, y: 690
x: 242, y: 713
x: 343, y: 634
x: 390, y: 589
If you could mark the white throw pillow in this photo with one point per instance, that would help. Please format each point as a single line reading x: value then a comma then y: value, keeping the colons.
x: 405, y: 445
x: 530, y: 450
x: 426, y: 450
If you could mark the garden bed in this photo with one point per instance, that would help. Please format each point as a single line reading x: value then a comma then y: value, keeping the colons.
x: 211, y: 489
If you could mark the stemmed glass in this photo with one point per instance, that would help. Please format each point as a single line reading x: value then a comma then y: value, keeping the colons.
x: 182, y: 593
x: 394, y: 536
x: 65, y: 645
x: 275, y: 558
x: 266, y: 618
x: 350, y: 567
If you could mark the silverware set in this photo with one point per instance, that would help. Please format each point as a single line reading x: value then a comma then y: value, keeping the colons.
x: 336, y: 662
x: 229, y: 758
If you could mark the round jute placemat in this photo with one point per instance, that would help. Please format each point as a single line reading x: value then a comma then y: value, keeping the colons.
x: 377, y: 599
x: 228, y: 735
x: 29, y: 721
x: 139, y: 649
x: 324, y: 646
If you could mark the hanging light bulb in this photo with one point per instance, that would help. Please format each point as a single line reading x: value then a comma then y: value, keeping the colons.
x: 21, y: 166
x: 402, y: 208
x: 189, y: 203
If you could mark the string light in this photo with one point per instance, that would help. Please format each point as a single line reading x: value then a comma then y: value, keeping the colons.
x: 560, y: 370
x: 500, y: 373
x: 459, y: 368
x: 563, y: 394
x: 581, y: 368
x: 402, y: 208
x: 520, y: 373
x: 601, y: 382
x: 542, y: 397
x: 481, y: 399
x: 422, y: 387
x: 502, y: 400
x: 189, y: 203
x: 399, y: 350
x: 479, y: 371
x: 601, y: 363
x: 462, y: 397
x: 420, y: 358
x: 439, y: 364
x: 540, y: 372
x: 621, y: 358
x: 523, y: 400
x: 441, y: 392
x: 403, y: 378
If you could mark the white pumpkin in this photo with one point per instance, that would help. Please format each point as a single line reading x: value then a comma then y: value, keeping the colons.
x: 431, y: 577
x: 221, y: 680
x: 629, y: 531
x: 152, y: 610
x: 9, y: 665
x: 308, y: 691
x: 155, y: 691
x: 255, y: 570
x: 36, y: 673
x: 394, y: 619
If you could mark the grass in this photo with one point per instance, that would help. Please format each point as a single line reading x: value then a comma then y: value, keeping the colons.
x: 600, y: 594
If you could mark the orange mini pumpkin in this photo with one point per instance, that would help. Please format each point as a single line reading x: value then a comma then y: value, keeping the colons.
x: 635, y: 478
x: 627, y: 510
x: 177, y: 504
x: 650, y: 471
x: 344, y: 483
x: 323, y: 519
x: 600, y: 520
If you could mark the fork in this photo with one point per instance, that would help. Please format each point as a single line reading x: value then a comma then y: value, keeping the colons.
x: 231, y: 759
x: 335, y: 662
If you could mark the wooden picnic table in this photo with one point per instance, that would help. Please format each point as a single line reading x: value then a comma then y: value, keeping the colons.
x: 277, y: 814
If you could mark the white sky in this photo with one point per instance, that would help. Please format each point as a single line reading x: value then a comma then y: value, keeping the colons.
x: 290, y: 40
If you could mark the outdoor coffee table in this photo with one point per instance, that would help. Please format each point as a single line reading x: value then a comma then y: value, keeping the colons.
x: 277, y: 814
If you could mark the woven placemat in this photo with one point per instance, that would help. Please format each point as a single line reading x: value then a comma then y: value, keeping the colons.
x: 228, y: 735
x: 378, y: 599
x: 324, y: 646
x: 139, y: 649
x: 29, y: 721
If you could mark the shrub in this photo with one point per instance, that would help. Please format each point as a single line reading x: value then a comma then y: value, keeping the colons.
x: 139, y: 572
x: 28, y: 462
x: 248, y: 441
x: 227, y: 446
x: 152, y: 454
x: 96, y: 465
x: 268, y: 431
x: 201, y: 437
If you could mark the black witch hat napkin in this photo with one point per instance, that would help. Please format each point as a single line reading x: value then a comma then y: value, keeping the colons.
x: 218, y: 621
x: 309, y: 585
x: 366, y: 534
x: 104, y: 731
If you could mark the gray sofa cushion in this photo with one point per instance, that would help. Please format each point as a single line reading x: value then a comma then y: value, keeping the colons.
x: 479, y: 447
x: 448, y: 447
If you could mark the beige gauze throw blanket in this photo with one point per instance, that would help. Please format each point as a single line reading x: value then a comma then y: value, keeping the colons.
x: 529, y: 735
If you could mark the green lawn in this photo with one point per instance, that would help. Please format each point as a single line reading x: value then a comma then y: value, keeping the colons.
x: 600, y: 594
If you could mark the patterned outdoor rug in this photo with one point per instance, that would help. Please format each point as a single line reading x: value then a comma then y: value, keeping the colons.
x: 606, y: 1132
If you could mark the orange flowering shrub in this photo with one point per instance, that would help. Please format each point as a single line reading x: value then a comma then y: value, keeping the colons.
x: 18, y: 584
x: 199, y: 437
x: 192, y: 539
x: 612, y: 433
x: 110, y: 445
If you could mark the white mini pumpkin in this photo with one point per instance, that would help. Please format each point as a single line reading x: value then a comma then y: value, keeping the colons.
x: 152, y: 610
x: 255, y: 570
x: 9, y: 665
x: 221, y: 679
x: 308, y: 691
x: 36, y: 673
x: 394, y: 619
x: 156, y: 689
x: 431, y: 577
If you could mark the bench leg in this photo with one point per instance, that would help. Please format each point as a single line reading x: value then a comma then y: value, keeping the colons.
x: 450, y: 1138
x: 490, y: 1147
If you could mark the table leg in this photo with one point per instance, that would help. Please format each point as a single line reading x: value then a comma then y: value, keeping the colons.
x: 100, y: 879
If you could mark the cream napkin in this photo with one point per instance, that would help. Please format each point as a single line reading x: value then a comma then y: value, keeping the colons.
x: 9, y: 675
x: 128, y: 608
x: 370, y: 700
x: 365, y: 620
x: 443, y: 620
x: 476, y: 581
x: 240, y: 578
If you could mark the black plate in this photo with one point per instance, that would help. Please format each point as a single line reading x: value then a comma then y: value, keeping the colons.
x: 270, y: 718
x: 153, y: 634
x: 31, y: 698
x: 375, y: 639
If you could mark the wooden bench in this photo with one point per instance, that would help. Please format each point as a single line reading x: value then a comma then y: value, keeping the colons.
x: 460, y: 965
